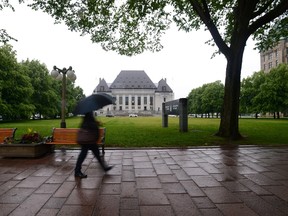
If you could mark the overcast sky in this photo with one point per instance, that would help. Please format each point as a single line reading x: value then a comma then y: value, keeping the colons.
x: 185, y: 60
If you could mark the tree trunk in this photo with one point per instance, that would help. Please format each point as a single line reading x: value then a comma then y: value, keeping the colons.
x: 229, y: 127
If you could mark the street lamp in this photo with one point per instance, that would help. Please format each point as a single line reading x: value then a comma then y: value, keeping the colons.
x: 60, y: 74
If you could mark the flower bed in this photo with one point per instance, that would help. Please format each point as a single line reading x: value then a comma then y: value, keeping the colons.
x: 31, y: 144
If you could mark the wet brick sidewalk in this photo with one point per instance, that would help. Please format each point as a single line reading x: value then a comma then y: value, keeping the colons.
x: 202, y: 181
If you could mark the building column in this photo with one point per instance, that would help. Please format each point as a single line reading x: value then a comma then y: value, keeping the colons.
x: 117, y: 102
x: 130, y: 102
x: 142, y: 102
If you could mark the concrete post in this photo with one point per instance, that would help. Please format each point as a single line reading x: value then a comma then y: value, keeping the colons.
x: 164, y: 116
x: 183, y: 115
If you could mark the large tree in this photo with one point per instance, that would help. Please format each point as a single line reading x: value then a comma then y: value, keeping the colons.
x: 207, y: 99
x: 15, y: 87
x: 194, y: 101
x: 212, y: 97
x: 130, y: 27
x: 250, y: 102
x: 43, y: 84
x: 273, y: 93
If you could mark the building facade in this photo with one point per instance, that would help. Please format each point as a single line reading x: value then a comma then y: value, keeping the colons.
x: 275, y: 56
x: 135, y: 93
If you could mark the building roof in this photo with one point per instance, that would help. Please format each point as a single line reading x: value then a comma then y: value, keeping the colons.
x: 163, y: 86
x: 102, y: 86
x: 132, y: 79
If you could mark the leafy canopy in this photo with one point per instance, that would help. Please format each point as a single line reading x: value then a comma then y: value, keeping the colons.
x: 130, y: 27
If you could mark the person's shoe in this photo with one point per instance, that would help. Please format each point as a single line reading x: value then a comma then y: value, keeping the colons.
x: 80, y: 175
x: 106, y: 169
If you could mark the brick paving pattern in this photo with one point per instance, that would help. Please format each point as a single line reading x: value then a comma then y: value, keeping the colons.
x: 154, y: 182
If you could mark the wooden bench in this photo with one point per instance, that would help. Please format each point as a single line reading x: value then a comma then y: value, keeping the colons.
x: 7, y: 135
x: 68, y: 136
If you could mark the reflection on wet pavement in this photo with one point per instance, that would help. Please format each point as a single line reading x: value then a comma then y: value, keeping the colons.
x: 199, y: 181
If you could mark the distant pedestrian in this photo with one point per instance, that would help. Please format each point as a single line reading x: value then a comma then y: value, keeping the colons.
x: 89, y: 123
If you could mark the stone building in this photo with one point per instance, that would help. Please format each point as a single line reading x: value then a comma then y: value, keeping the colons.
x: 275, y: 56
x: 135, y: 93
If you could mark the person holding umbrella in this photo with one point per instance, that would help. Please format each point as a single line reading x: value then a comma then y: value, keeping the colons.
x: 90, y: 124
x: 90, y: 128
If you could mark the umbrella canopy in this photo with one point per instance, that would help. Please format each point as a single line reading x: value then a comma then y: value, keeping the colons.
x: 93, y: 102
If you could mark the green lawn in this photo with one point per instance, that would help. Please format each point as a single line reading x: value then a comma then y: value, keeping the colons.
x: 148, y: 131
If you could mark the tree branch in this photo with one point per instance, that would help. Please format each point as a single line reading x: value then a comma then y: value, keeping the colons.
x: 262, y: 9
x: 281, y: 8
x: 203, y: 13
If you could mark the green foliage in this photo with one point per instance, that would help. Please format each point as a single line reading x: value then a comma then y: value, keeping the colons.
x: 131, y: 27
x: 274, y: 91
x: 250, y: 88
x: 263, y: 93
x: 14, y: 85
x: 42, y: 84
x: 212, y: 97
x: 73, y: 95
x: 194, y: 100
x: 27, y: 89
x: 206, y: 99
x: 271, y: 33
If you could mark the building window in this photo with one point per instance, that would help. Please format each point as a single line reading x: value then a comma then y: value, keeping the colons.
x: 120, y: 107
x: 151, y: 100
x: 164, y: 99
x: 133, y: 101
x: 270, y: 65
x: 126, y: 101
x: 270, y: 56
x: 139, y: 100
x: 276, y: 53
x: 120, y: 100
x: 145, y: 100
x: 276, y: 63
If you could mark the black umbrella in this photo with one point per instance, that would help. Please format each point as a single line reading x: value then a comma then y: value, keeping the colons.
x: 93, y: 102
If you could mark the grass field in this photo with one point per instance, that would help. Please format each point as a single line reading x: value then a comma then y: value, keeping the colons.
x: 148, y: 131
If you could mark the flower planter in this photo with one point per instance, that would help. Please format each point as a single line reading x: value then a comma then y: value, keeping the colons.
x: 25, y: 150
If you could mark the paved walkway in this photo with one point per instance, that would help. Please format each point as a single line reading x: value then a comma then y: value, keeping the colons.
x: 202, y: 181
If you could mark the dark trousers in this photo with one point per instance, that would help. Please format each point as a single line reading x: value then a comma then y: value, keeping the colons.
x: 84, y: 151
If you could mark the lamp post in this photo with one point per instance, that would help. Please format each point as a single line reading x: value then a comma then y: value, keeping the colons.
x: 63, y: 74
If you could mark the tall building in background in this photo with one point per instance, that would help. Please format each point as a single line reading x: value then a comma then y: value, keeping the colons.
x: 135, y: 93
x: 275, y: 56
